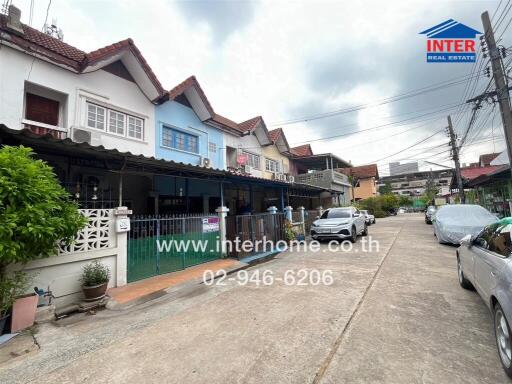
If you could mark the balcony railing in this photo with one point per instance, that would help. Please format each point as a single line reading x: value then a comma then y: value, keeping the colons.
x: 326, y: 179
x: 45, y: 129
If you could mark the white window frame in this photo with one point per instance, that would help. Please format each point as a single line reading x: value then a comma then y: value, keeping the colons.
x: 135, y: 120
x: 273, y: 166
x: 117, y: 129
x: 253, y: 160
x: 96, y: 115
x: 212, y: 147
x: 107, y: 113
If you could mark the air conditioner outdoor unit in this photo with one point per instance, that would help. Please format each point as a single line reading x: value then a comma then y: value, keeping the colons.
x: 291, y: 179
x: 247, y: 168
x: 83, y: 136
x: 205, y: 162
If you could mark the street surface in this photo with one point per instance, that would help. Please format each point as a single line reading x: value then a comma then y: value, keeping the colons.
x: 393, y: 316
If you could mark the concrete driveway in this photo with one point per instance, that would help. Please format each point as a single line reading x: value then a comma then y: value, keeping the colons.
x: 392, y: 316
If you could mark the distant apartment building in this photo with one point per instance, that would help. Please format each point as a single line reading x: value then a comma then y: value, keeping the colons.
x: 414, y: 183
x: 396, y: 168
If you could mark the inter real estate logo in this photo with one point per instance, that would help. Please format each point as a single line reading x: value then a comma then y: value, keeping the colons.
x: 451, y: 42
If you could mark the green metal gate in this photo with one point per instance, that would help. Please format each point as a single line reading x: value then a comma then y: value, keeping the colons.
x: 163, y: 244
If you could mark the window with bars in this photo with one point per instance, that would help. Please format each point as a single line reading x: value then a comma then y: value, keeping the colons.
x: 115, y: 122
x: 176, y: 139
x: 212, y: 147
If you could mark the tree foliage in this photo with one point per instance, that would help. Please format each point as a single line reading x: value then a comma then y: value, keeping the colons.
x: 35, y: 211
x: 379, y: 205
x: 386, y: 189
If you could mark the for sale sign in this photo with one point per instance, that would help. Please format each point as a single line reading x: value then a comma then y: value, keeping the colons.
x: 210, y: 224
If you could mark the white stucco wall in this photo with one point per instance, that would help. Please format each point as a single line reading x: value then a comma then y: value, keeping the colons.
x: 101, y: 87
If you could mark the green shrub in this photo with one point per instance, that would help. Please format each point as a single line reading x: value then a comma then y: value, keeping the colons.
x: 10, y: 288
x: 36, y: 212
x: 95, y: 273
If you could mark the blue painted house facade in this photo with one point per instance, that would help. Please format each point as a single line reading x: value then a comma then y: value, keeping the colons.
x: 187, y: 130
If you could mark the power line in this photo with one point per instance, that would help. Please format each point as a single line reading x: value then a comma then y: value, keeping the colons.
x: 409, y: 147
x: 412, y: 93
x: 377, y: 127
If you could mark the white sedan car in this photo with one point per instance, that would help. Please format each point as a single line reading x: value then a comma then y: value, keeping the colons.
x: 339, y: 224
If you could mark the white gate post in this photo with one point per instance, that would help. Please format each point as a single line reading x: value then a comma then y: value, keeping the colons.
x: 272, y: 210
x: 302, y: 219
x: 122, y: 224
x: 222, y: 212
x: 122, y: 259
x: 288, y: 213
x: 320, y: 210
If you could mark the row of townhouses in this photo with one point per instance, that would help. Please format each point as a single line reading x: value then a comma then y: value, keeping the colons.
x: 123, y: 144
x: 116, y: 136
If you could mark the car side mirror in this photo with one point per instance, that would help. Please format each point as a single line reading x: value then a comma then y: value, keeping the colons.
x: 466, y: 241
x: 317, y: 217
x: 356, y: 214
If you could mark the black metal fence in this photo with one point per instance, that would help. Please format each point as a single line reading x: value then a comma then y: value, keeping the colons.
x: 253, y: 228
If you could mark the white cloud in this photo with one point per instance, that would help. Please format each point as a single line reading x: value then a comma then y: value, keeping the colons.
x: 286, y: 59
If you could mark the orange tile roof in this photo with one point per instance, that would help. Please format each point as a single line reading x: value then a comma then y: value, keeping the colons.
x: 275, y: 134
x: 187, y: 83
x: 302, y: 150
x: 250, y: 124
x: 362, y: 171
x: 62, y: 53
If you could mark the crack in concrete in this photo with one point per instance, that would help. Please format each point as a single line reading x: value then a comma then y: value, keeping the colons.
x: 337, y: 343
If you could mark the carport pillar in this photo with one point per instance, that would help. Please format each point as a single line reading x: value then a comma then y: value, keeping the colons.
x: 288, y: 213
x: 302, y: 219
x: 222, y: 212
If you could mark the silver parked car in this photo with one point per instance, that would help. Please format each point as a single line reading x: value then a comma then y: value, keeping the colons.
x: 453, y: 222
x: 484, y: 263
x: 370, y: 219
x: 339, y: 223
x: 429, y: 213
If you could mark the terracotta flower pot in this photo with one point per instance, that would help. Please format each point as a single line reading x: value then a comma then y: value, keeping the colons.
x: 24, y: 312
x: 95, y: 292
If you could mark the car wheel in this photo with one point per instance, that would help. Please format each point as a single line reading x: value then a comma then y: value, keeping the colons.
x: 373, y: 221
x: 365, y: 231
x: 464, y: 283
x: 353, y: 235
x: 503, y: 340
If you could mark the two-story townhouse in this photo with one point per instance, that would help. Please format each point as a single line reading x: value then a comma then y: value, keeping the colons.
x: 277, y: 157
x: 103, y: 98
x: 189, y: 131
x: 363, y: 179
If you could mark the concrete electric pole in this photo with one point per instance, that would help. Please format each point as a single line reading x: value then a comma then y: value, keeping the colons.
x: 500, y: 81
x: 455, y: 157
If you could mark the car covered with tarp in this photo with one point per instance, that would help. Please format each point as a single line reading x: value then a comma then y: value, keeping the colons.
x: 453, y: 222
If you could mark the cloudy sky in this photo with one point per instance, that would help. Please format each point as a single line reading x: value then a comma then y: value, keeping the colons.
x: 290, y: 61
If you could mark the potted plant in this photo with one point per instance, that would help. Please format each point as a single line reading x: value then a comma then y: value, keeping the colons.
x: 95, y: 277
x: 10, y: 288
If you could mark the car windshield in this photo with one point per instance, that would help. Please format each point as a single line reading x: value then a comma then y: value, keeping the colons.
x: 364, y: 212
x: 336, y: 214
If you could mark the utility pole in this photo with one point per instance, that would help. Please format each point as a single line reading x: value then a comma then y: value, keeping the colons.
x: 455, y: 157
x: 500, y: 81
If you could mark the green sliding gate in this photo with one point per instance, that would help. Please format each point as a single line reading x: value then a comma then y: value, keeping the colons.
x: 163, y: 244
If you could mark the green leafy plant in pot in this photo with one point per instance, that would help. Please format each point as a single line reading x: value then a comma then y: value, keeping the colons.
x: 95, y: 277
x: 10, y: 288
